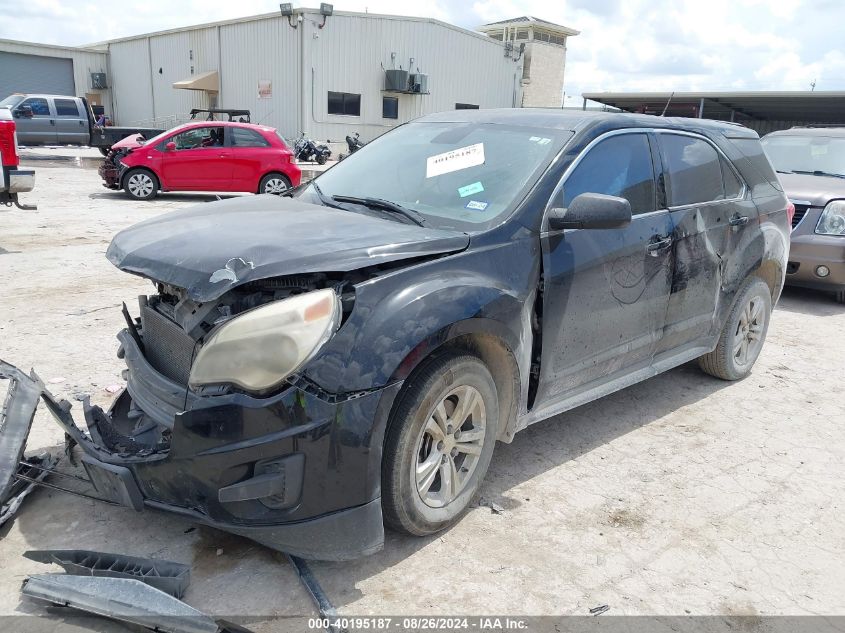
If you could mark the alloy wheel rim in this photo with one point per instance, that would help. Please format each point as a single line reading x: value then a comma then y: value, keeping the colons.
x: 748, y: 337
x: 140, y: 185
x: 449, y: 446
x: 275, y: 185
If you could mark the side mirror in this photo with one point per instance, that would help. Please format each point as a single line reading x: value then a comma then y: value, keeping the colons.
x: 170, y: 147
x: 24, y: 111
x: 592, y: 211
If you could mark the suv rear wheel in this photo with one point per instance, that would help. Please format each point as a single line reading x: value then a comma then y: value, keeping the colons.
x: 140, y: 184
x: 439, y: 444
x: 743, y: 334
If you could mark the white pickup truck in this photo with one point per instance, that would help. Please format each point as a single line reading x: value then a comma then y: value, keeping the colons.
x: 13, y: 179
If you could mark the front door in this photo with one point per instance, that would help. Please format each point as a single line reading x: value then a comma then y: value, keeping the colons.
x: 605, y: 291
x: 41, y: 128
x: 200, y: 162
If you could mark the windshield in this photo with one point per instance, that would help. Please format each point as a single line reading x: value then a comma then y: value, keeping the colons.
x: 464, y: 176
x: 806, y: 154
x: 11, y: 101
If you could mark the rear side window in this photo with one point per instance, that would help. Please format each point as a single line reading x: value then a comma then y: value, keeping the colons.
x: 242, y: 137
x: 39, y: 106
x: 66, y: 107
x: 617, y: 166
x: 693, y: 170
x: 733, y: 186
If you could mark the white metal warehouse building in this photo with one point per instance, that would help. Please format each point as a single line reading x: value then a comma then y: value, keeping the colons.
x: 328, y: 76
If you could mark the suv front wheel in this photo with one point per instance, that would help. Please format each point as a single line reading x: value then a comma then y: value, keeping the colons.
x: 743, y: 335
x: 439, y: 444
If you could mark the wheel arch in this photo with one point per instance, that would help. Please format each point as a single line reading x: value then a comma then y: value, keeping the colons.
x: 480, y: 337
x: 132, y: 168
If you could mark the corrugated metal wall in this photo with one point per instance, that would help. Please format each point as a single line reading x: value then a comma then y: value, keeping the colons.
x: 132, y: 91
x: 348, y: 55
x: 254, y: 50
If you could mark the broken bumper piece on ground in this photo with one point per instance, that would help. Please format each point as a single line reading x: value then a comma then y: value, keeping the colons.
x: 124, y: 599
x: 168, y: 576
x: 179, y: 475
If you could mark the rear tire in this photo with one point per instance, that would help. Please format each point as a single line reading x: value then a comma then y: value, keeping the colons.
x: 140, y: 184
x: 321, y: 159
x: 274, y: 183
x: 439, y: 443
x: 743, y: 335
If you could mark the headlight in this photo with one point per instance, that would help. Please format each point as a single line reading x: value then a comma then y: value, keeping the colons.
x: 260, y: 348
x: 832, y: 220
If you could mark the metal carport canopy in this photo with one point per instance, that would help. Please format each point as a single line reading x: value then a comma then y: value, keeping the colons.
x: 807, y: 106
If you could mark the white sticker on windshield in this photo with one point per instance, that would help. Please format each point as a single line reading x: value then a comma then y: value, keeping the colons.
x: 457, y: 159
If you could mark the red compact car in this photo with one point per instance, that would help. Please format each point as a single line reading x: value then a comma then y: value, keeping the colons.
x: 206, y: 156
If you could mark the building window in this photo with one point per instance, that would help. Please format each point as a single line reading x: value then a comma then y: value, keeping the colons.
x: 390, y: 107
x: 522, y: 34
x: 344, y: 103
x: 465, y: 106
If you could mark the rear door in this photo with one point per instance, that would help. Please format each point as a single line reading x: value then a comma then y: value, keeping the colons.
x: 605, y: 291
x: 41, y: 128
x: 710, y: 216
x: 250, y: 154
x: 71, y: 124
x: 200, y: 162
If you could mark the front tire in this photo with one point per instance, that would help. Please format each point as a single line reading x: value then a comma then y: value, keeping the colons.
x: 274, y: 183
x: 140, y: 184
x: 439, y: 444
x: 743, y: 334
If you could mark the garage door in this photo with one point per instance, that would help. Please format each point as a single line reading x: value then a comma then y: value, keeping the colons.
x: 33, y: 73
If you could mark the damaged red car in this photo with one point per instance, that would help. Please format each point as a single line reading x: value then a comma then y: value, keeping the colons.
x: 206, y: 156
x: 308, y: 369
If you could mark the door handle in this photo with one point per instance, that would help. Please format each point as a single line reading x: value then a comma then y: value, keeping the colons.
x: 738, y: 220
x: 659, y: 244
x: 52, y: 121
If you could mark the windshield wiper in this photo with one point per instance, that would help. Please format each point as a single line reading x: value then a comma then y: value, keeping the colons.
x: 819, y: 173
x: 784, y: 171
x: 386, y: 205
x: 324, y: 199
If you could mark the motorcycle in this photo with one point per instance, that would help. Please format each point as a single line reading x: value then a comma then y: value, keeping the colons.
x: 354, y: 144
x: 307, y: 150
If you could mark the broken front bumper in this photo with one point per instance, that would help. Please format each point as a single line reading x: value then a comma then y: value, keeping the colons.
x: 296, y: 471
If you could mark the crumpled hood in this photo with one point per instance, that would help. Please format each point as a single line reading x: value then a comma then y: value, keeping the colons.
x: 213, y: 247
x: 133, y: 141
x: 817, y: 190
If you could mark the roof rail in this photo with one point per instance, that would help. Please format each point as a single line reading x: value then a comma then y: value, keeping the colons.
x: 811, y: 125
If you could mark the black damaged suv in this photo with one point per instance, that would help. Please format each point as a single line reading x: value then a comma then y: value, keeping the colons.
x: 310, y: 368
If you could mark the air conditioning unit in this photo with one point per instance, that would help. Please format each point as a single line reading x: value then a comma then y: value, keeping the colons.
x: 419, y: 83
x: 98, y: 81
x: 396, y: 80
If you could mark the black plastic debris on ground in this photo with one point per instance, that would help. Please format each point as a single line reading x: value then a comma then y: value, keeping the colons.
x: 123, y: 599
x: 16, y: 417
x: 34, y: 469
x: 168, y: 576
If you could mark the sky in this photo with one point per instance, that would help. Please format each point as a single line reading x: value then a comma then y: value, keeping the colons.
x: 624, y: 45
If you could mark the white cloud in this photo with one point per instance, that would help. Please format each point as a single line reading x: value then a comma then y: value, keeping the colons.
x: 646, y: 45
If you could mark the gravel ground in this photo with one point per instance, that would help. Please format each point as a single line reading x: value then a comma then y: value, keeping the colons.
x: 682, y: 494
